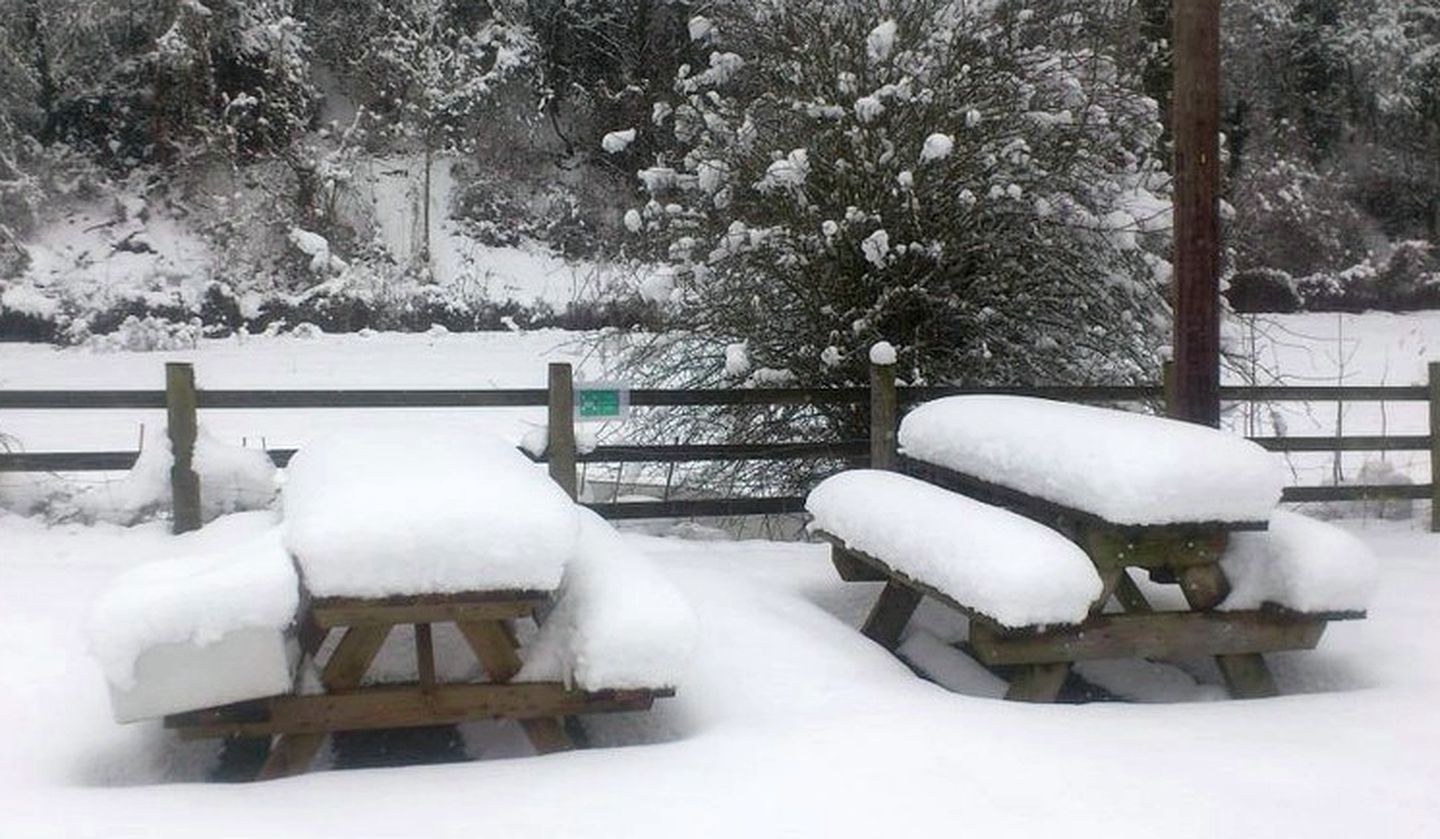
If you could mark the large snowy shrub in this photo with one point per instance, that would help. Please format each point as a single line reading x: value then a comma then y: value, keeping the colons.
x: 931, y: 173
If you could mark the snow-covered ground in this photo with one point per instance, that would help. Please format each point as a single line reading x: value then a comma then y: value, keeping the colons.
x: 1376, y: 348
x: 787, y: 723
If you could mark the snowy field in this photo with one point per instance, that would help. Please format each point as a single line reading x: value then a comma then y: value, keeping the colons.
x: 787, y: 722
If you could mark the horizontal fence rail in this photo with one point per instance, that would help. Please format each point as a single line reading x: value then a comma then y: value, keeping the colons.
x: 849, y: 452
x: 537, y: 397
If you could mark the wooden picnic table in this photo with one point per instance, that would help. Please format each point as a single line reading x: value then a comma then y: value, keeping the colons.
x: 299, y: 722
x: 1185, y: 555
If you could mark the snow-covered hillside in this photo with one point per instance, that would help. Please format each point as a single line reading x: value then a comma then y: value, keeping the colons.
x: 136, y: 251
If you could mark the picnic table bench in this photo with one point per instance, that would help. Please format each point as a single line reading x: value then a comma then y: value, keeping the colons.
x: 301, y: 721
x: 1181, y: 495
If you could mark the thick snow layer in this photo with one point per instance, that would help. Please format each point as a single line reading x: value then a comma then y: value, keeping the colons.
x: 618, y: 622
x: 249, y: 663
x: 195, y: 602
x: 1301, y: 564
x: 232, y: 479
x: 424, y: 511
x: 1125, y: 468
x: 785, y: 702
x: 991, y: 560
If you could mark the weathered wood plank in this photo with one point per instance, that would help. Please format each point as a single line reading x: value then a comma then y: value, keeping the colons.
x: 292, y: 754
x: 352, y: 656
x: 493, y: 648
x: 897, y: 602
x: 1150, y: 635
x: 1038, y: 683
x: 1167, y: 547
x: 1245, y: 672
x: 449, y: 608
x: 1109, y: 581
x: 1247, y: 676
x: 494, y: 645
x: 548, y: 735
x: 405, y: 706
x: 853, y: 570
x: 1131, y: 598
x: 884, y: 412
x: 560, y: 448
x: 425, y: 657
x: 1205, y: 586
x: 182, y: 427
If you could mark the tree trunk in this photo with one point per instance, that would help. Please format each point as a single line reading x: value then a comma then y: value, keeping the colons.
x: 425, y: 208
x: 44, y: 72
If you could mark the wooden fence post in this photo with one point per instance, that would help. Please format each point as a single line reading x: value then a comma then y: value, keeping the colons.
x: 1435, y: 447
x: 1167, y: 386
x: 181, y: 426
x: 560, y: 449
x: 884, y: 413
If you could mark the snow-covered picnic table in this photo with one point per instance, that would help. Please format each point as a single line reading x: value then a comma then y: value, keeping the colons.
x: 1004, y: 499
x: 387, y: 532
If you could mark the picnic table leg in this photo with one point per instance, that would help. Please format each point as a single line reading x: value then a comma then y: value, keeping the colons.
x: 1246, y: 675
x: 495, y: 647
x: 1038, y: 682
x: 292, y: 754
x: 892, y: 611
x: 1130, y: 596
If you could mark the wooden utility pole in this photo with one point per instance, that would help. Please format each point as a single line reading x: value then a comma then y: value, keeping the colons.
x: 1196, y: 290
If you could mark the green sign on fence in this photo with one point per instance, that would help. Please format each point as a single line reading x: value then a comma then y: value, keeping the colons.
x: 598, y: 402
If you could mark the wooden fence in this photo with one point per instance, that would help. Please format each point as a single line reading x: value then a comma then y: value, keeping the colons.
x: 182, y: 400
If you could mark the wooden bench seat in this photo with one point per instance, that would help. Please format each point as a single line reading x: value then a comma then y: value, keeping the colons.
x: 301, y: 721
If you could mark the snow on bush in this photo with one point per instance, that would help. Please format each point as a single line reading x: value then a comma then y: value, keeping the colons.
x: 232, y: 479
x: 424, y: 511
x: 856, y: 184
x: 617, y: 624
x: 937, y: 147
x: 617, y: 141
x: 148, y: 334
x: 316, y: 247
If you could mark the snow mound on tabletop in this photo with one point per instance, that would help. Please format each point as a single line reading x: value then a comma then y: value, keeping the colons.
x: 1300, y: 564
x: 226, y: 586
x: 1125, y: 468
x: 991, y: 560
x: 424, y: 511
x: 618, y: 624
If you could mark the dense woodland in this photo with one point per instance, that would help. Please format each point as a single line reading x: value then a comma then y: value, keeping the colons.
x: 1013, y: 155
